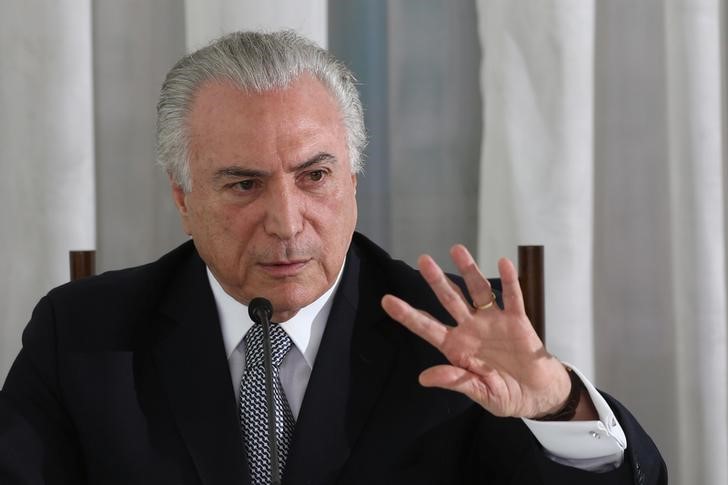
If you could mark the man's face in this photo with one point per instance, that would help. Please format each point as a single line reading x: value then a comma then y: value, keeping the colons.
x: 272, y: 207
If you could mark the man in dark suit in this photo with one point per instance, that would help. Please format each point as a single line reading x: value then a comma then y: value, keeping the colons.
x: 144, y: 375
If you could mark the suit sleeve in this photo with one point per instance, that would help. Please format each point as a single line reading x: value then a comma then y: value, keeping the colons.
x: 508, y: 454
x: 596, y: 445
x: 642, y: 465
x: 38, y: 445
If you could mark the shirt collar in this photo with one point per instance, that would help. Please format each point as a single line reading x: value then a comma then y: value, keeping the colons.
x: 305, y: 328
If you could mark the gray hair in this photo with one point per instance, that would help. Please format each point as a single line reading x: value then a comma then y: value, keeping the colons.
x: 256, y: 62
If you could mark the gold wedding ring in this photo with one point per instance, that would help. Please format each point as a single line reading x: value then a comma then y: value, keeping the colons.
x: 487, y: 305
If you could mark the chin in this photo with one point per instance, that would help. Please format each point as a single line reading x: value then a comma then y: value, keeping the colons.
x: 291, y: 301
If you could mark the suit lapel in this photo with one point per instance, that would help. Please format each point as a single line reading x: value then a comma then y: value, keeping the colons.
x: 351, y: 367
x: 195, y: 375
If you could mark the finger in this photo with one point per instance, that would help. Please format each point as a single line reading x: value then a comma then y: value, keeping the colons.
x: 512, y: 296
x: 450, y: 298
x: 456, y: 289
x: 463, y: 381
x: 477, y: 284
x: 419, y: 323
x: 446, y: 376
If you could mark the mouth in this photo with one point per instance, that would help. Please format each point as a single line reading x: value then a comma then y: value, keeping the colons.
x: 284, y: 269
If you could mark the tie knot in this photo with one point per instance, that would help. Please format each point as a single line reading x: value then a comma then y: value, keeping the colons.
x: 280, y: 344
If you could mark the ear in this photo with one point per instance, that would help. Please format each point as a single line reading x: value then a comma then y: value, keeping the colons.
x: 180, y: 201
x: 354, y: 181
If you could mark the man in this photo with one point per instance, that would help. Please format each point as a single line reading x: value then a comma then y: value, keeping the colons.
x: 148, y: 375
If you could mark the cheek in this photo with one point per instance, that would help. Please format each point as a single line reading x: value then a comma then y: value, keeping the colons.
x: 216, y: 224
x: 338, y: 221
x: 348, y: 206
x: 226, y: 237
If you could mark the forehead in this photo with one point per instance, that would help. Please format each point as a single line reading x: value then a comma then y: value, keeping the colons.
x: 227, y: 122
x: 219, y: 104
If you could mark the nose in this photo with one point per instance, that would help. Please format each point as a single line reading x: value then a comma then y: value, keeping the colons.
x: 284, y: 212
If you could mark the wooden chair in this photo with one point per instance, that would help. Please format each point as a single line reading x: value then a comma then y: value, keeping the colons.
x: 83, y: 264
x: 531, y: 276
x: 530, y: 273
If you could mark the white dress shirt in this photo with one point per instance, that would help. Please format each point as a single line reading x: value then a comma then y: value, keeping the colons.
x: 589, y: 445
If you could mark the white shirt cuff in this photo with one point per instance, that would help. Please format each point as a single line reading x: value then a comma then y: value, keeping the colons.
x: 589, y: 445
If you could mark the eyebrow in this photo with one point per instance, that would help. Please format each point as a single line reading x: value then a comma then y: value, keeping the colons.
x: 323, y: 157
x: 241, y: 172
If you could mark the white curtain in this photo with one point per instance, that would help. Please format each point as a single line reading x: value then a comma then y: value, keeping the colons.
x: 46, y: 154
x: 604, y: 140
x: 80, y: 81
x: 209, y: 19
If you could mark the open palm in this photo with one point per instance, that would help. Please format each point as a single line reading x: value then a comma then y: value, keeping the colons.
x: 496, y: 358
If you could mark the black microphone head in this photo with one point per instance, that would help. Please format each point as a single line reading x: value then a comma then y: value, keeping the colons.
x: 258, y: 308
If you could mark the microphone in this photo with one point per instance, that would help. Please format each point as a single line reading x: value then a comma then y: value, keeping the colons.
x: 260, y: 311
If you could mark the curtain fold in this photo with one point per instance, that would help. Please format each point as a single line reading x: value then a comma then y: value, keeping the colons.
x: 604, y: 140
x: 46, y: 154
x: 534, y: 185
x: 698, y: 235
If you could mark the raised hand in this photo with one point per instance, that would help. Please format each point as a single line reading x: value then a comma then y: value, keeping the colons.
x: 496, y: 358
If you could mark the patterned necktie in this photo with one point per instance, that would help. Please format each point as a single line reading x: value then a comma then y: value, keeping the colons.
x: 253, y: 410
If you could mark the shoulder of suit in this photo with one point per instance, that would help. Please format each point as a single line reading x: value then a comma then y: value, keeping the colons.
x: 130, y: 284
x: 401, y: 279
x: 113, y: 310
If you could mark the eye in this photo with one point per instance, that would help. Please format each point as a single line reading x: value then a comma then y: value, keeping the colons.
x: 316, y: 175
x: 244, y: 185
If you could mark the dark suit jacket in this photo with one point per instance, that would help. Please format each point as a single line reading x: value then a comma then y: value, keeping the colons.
x: 123, y: 379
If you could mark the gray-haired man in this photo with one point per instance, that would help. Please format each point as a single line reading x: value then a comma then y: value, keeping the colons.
x: 143, y: 375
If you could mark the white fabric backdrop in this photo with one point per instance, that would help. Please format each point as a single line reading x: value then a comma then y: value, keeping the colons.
x: 209, y: 19
x: 603, y: 141
x: 534, y: 185
x: 46, y: 154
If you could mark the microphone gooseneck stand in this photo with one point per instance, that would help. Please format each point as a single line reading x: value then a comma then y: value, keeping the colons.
x: 260, y: 311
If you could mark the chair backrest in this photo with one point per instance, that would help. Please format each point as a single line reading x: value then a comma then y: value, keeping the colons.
x: 83, y: 264
x: 530, y: 274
